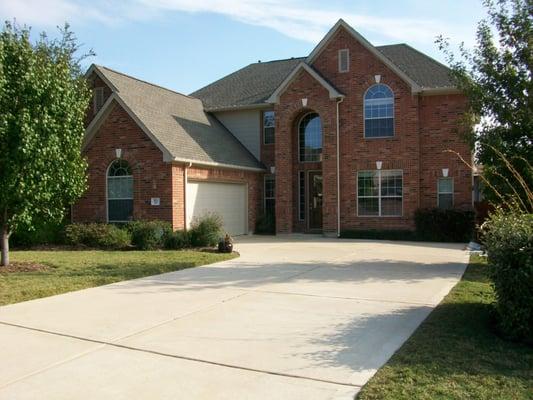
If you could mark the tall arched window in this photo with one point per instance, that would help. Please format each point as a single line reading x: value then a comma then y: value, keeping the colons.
x: 379, y: 111
x: 310, y: 138
x: 119, y: 192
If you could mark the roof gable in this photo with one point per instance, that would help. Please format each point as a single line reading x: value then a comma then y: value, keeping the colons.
x: 341, y: 24
x: 176, y: 123
x: 333, y: 92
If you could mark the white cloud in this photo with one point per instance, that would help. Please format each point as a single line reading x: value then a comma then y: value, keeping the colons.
x: 293, y: 18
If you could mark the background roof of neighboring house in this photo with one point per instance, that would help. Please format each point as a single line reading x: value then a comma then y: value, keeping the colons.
x: 178, y: 123
x: 253, y: 85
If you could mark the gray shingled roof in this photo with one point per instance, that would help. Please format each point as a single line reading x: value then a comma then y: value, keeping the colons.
x: 179, y: 123
x: 253, y: 84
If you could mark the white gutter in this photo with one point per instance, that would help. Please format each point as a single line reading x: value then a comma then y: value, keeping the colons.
x: 339, y: 101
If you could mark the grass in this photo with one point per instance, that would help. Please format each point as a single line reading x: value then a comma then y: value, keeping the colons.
x: 454, y: 354
x: 75, y: 270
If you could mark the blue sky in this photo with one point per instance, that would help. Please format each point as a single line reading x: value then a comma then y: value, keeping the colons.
x: 186, y: 44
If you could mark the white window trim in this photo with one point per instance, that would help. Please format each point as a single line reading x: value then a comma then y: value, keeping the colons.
x: 393, y: 116
x: 98, y: 94
x: 379, y: 196
x: 339, y: 56
x: 321, y: 134
x: 439, y: 192
x: 265, y: 198
x: 264, y: 127
x: 107, y: 177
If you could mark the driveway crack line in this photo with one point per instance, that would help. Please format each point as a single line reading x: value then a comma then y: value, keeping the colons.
x: 180, y: 357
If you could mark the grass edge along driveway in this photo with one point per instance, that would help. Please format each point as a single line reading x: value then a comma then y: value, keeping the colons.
x: 454, y: 354
x: 74, y: 270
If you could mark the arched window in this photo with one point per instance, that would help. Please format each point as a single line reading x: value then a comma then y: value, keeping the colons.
x: 379, y: 112
x: 310, y: 138
x: 119, y: 192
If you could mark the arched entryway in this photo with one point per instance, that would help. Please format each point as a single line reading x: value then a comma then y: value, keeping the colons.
x: 309, y: 172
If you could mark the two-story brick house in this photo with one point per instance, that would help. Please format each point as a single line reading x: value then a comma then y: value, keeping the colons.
x: 350, y: 137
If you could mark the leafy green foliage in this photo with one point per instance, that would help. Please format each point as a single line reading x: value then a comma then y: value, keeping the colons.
x: 149, y: 235
x: 43, y: 100
x: 206, y: 231
x: 41, y: 233
x: 177, y: 240
x: 508, y: 238
x: 105, y: 236
x: 497, y: 79
x: 440, y: 225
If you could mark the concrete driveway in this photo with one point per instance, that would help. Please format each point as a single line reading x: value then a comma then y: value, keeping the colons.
x: 297, y: 317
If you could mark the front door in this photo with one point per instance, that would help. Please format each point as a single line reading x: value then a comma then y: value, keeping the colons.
x: 315, y: 200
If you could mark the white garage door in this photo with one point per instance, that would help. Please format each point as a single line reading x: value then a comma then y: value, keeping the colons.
x: 229, y: 200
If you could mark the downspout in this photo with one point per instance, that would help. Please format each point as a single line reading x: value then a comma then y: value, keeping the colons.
x: 185, y: 179
x: 339, y: 101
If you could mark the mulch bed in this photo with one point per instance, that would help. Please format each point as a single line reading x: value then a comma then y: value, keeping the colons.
x: 16, y: 266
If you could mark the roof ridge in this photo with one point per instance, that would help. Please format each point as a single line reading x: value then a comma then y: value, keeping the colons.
x: 278, y: 60
x: 146, y: 82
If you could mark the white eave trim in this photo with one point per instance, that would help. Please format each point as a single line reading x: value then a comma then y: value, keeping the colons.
x: 96, y: 69
x: 212, y: 164
x: 415, y: 88
x: 333, y: 93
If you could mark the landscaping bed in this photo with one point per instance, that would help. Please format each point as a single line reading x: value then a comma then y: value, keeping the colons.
x: 34, y: 274
x: 456, y: 353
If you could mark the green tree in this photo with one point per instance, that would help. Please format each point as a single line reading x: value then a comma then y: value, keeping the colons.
x: 43, y: 101
x: 496, y: 78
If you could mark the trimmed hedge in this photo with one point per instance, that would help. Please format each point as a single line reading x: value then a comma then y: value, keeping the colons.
x: 43, y: 233
x: 149, y: 235
x: 104, y: 236
x: 177, y: 240
x: 206, y: 231
x: 508, y: 239
x: 439, y: 225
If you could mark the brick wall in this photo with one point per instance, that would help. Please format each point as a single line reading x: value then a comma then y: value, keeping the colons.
x: 424, y: 127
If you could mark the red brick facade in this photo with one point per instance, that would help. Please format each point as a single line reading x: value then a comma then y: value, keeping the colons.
x: 424, y: 127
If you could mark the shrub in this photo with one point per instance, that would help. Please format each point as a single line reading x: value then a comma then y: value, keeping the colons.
x: 265, y: 225
x: 441, y: 225
x: 105, y: 236
x: 508, y: 239
x: 177, y: 240
x: 42, y: 233
x: 149, y: 235
x: 206, y: 231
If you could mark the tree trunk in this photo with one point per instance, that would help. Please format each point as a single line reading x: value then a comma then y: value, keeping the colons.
x: 5, y: 247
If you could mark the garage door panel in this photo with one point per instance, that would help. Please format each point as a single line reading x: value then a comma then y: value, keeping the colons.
x: 229, y: 200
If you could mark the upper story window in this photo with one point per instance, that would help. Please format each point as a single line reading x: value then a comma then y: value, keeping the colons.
x: 344, y: 60
x: 380, y: 193
x: 379, y: 111
x: 269, y: 127
x: 119, y: 192
x: 310, y: 138
x: 445, y: 193
x: 98, y: 99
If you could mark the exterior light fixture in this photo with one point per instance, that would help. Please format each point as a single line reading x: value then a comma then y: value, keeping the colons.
x: 377, y: 78
x: 445, y: 172
x: 304, y: 102
x: 118, y: 153
x: 379, y: 164
x: 272, y: 170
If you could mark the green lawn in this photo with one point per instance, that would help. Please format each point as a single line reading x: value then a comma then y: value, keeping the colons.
x: 74, y: 270
x: 455, y: 355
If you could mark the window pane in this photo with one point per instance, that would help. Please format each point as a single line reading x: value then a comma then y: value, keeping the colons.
x: 379, y: 127
x: 269, y: 120
x: 120, y: 187
x: 368, y: 206
x: 445, y: 185
x: 379, y: 111
x: 301, y: 210
x: 269, y: 187
x: 269, y: 134
x: 120, y: 210
x: 310, y: 138
x: 445, y: 200
x: 119, y: 168
x: 391, y: 206
x: 391, y: 183
x: 367, y: 183
x: 270, y: 206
